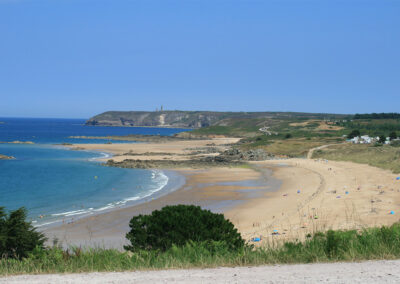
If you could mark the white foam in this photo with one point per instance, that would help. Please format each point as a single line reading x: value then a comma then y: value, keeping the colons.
x: 103, y: 155
x: 161, y: 180
x: 69, y: 213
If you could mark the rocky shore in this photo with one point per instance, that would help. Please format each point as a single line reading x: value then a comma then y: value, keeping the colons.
x: 4, y: 157
x: 229, y: 158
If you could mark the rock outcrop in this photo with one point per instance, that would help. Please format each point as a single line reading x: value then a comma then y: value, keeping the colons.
x: 4, y: 157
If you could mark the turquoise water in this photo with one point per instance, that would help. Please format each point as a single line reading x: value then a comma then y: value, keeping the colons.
x: 57, y: 184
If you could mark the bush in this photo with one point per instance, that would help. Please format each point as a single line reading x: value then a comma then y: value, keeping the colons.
x: 393, y: 135
x: 354, y: 133
x: 178, y: 225
x: 17, y: 236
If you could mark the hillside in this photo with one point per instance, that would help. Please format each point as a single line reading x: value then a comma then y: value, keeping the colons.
x: 193, y: 119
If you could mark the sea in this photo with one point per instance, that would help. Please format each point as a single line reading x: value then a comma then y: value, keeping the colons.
x: 56, y: 184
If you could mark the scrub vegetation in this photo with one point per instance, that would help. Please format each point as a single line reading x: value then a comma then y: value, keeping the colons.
x: 381, y: 156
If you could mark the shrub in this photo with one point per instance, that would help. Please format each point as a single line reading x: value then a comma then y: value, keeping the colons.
x: 177, y: 225
x: 17, y: 236
x: 354, y: 133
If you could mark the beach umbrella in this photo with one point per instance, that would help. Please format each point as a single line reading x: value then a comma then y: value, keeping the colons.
x: 392, y: 212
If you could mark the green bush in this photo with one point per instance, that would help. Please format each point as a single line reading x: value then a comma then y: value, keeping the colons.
x: 354, y: 133
x: 17, y: 236
x: 177, y: 225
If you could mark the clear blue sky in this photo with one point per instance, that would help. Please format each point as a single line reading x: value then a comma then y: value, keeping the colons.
x: 77, y: 58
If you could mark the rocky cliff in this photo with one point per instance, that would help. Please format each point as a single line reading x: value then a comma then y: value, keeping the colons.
x: 188, y: 119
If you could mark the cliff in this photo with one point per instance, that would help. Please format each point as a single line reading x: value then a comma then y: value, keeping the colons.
x: 186, y: 119
x: 195, y: 119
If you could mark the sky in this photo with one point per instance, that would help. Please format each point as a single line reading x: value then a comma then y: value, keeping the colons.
x: 78, y: 58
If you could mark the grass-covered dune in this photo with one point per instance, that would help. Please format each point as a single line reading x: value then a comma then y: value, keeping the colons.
x: 385, y: 157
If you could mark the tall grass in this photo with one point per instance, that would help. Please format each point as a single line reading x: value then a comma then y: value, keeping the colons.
x: 368, y: 244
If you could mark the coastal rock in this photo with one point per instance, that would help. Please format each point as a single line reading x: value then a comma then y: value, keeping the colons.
x: 4, y: 157
x: 251, y: 155
x: 167, y: 164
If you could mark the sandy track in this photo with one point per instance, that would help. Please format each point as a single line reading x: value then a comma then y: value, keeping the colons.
x: 311, y: 151
x: 364, y: 272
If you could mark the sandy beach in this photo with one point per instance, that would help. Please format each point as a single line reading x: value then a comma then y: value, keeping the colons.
x: 274, y: 199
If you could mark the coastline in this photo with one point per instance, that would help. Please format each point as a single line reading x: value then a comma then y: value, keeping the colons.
x: 175, y: 181
x: 276, y: 200
x: 205, y: 188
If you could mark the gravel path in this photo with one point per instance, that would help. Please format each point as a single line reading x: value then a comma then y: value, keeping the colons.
x: 365, y: 272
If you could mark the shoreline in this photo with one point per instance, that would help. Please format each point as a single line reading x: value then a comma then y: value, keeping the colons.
x: 108, y: 229
x: 275, y: 200
x: 175, y: 181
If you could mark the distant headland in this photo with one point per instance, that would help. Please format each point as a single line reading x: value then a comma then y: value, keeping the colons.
x: 192, y: 119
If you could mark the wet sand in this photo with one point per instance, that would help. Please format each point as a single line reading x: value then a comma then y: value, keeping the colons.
x: 217, y: 189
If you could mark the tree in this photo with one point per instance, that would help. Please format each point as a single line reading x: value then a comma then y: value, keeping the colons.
x: 178, y: 225
x: 354, y: 133
x: 17, y: 236
x: 393, y: 135
x: 382, y: 139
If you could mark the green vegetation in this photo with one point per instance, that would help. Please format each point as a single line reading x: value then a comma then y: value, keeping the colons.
x: 393, y: 135
x: 354, y: 133
x: 179, y: 224
x: 368, y: 244
x: 373, y: 127
x: 17, y: 237
x: 391, y: 115
x: 385, y: 157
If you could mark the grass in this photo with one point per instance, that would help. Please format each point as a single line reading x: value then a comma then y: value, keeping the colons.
x: 368, y: 244
x: 385, y: 157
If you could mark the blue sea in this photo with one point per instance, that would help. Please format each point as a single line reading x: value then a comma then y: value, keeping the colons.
x: 56, y: 184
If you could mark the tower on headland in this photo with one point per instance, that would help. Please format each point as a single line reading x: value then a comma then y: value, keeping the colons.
x: 161, y: 108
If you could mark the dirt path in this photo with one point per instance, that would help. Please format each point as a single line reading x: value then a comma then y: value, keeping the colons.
x: 364, y: 272
x: 311, y: 151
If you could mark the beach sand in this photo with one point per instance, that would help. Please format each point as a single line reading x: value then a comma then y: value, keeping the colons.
x: 261, y: 201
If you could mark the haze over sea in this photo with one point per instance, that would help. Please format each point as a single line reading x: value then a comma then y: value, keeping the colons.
x: 55, y: 183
